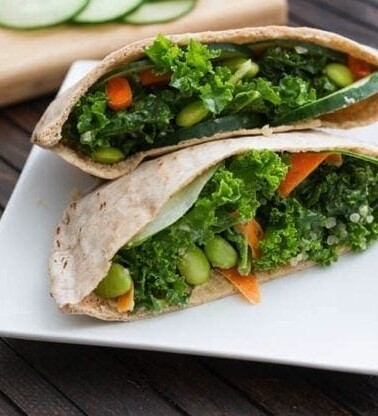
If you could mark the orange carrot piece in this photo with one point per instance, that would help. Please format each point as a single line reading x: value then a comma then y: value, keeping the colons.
x: 125, y: 302
x: 148, y: 77
x: 334, y: 159
x: 254, y: 233
x: 248, y: 286
x: 119, y: 93
x: 302, y: 165
x: 359, y: 69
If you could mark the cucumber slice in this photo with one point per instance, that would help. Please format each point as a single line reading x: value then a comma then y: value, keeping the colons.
x: 345, y: 97
x: 124, y: 70
x: 31, y: 14
x: 300, y: 47
x: 219, y: 125
x: 229, y: 50
x: 98, y: 11
x: 159, y: 11
x: 360, y: 156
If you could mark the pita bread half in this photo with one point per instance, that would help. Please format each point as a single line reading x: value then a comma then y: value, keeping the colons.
x: 48, y: 132
x: 94, y: 228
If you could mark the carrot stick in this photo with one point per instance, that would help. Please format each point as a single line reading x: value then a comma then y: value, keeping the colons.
x: 248, y: 286
x: 302, y: 164
x: 359, y: 69
x: 119, y: 93
x: 148, y: 77
x: 254, y: 233
x: 125, y: 302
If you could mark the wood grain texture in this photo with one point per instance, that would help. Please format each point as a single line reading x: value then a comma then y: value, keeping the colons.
x: 28, y: 389
x: 204, y: 393
x: 312, y: 13
x: 14, y: 144
x: 281, y: 390
x: 95, y: 379
x: 27, y: 114
x: 8, y: 408
x: 8, y: 179
x: 358, y: 393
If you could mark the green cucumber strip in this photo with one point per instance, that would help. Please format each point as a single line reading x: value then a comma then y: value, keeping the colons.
x: 219, y: 125
x: 98, y: 11
x: 124, y: 70
x: 159, y: 11
x: 366, y: 158
x: 345, y: 97
x: 174, y: 209
x: 301, y: 47
x: 32, y: 14
x: 230, y: 50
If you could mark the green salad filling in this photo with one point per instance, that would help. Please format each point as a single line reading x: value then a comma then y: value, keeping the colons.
x: 335, y: 207
x: 181, y: 92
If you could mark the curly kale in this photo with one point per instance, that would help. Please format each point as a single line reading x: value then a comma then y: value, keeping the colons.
x: 231, y: 196
x: 334, y: 207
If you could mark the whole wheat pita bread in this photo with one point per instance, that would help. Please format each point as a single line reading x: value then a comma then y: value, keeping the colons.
x: 48, y: 130
x: 93, y: 229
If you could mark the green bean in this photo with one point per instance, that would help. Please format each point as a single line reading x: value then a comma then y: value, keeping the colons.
x: 221, y: 253
x: 192, y: 114
x: 194, y: 266
x: 116, y: 283
x: 107, y: 155
x: 236, y: 63
x: 339, y: 74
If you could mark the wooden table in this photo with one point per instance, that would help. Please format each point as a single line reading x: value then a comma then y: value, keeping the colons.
x: 52, y: 379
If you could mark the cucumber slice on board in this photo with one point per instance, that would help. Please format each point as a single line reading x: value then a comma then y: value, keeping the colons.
x: 32, y: 14
x: 360, y: 90
x: 159, y: 11
x: 219, y: 125
x: 98, y: 11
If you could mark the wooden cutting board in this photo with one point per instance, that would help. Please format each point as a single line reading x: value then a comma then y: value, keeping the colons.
x: 34, y: 62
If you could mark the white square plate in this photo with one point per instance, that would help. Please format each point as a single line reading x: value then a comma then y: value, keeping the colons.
x: 326, y: 318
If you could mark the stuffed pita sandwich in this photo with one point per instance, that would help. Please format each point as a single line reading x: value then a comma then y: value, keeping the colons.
x: 157, y: 95
x: 207, y: 221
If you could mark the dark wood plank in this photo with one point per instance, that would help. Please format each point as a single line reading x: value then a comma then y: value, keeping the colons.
x: 8, y: 179
x: 14, y: 144
x: 8, y: 408
x: 26, y: 115
x: 281, y: 390
x: 357, y: 392
x: 367, y: 15
x: 190, y: 386
x: 302, y: 12
x: 95, y: 379
x: 28, y: 389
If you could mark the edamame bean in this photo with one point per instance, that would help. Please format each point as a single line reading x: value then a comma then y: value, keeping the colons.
x: 339, y: 74
x: 108, y: 155
x: 194, y: 266
x: 116, y: 283
x: 192, y: 114
x: 235, y: 64
x: 221, y: 253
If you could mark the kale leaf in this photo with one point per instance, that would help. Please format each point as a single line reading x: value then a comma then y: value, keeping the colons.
x: 136, y: 129
x: 231, y: 196
x: 349, y: 196
x: 334, y: 207
x: 277, y: 62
